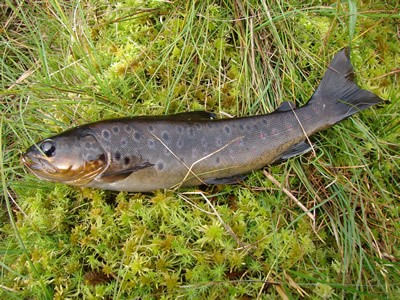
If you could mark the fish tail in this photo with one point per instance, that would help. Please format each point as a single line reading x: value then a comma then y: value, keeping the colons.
x: 339, y: 91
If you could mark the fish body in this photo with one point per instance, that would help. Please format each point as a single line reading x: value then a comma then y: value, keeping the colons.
x: 143, y: 154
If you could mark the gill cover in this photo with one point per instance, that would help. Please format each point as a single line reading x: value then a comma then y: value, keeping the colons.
x: 73, y: 157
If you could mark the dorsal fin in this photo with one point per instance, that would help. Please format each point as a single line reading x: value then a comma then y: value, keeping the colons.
x: 194, y: 115
x: 286, y: 106
x: 185, y: 116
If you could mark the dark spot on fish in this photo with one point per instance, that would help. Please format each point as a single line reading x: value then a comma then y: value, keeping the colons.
x: 315, y: 108
x: 227, y: 130
x: 106, y: 134
x: 124, y: 142
x: 198, y: 126
x: 182, y: 159
x: 233, y: 125
x: 165, y: 136
x: 217, y: 160
x: 150, y: 142
x: 160, y: 166
x: 179, y: 129
x: 128, y: 128
x: 180, y: 143
x: 264, y: 121
x: 241, y: 126
x: 190, y: 131
x: 255, y: 127
x: 151, y: 128
x: 137, y: 135
x: 87, y: 145
x: 248, y: 127
x: 209, y: 125
x: 116, y: 129
x: 117, y: 155
x: 127, y: 160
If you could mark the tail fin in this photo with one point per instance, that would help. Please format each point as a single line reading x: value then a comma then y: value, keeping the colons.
x: 338, y: 90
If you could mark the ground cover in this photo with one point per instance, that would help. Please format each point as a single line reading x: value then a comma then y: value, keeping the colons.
x: 66, y: 63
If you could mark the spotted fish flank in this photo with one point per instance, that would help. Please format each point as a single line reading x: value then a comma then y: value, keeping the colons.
x: 148, y: 153
x: 160, y: 165
x: 105, y: 134
x: 124, y: 142
x: 165, y: 136
x: 128, y: 128
x: 227, y: 130
x: 151, y: 143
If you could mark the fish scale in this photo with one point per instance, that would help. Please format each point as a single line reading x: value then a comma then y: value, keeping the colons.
x: 142, y: 154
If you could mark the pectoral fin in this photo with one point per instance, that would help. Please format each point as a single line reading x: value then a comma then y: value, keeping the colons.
x: 297, y: 149
x: 114, y: 176
x: 225, y: 180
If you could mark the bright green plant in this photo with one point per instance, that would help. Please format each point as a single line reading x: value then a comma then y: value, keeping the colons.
x: 66, y: 63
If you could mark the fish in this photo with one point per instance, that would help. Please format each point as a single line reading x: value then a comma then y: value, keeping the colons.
x: 147, y: 153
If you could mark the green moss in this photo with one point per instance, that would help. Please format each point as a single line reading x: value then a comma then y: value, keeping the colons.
x: 99, y: 59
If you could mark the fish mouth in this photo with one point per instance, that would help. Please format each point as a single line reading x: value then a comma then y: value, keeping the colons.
x: 37, y: 164
x: 44, y: 170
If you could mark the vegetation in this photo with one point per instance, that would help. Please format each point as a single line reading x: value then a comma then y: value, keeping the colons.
x: 66, y: 63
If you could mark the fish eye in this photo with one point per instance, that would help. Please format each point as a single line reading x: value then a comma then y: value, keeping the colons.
x: 48, y: 148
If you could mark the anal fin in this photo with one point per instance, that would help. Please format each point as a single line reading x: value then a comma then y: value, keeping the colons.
x: 225, y: 180
x: 297, y: 149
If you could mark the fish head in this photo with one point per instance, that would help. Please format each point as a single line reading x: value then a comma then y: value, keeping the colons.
x: 73, y: 157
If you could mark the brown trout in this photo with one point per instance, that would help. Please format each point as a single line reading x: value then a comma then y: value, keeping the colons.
x: 142, y: 154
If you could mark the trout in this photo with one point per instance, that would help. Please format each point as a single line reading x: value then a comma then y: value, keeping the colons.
x: 146, y: 153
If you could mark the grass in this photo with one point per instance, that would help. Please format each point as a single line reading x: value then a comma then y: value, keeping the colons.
x: 66, y: 63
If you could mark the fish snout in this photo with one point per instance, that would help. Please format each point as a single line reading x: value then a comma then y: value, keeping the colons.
x: 34, y: 163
